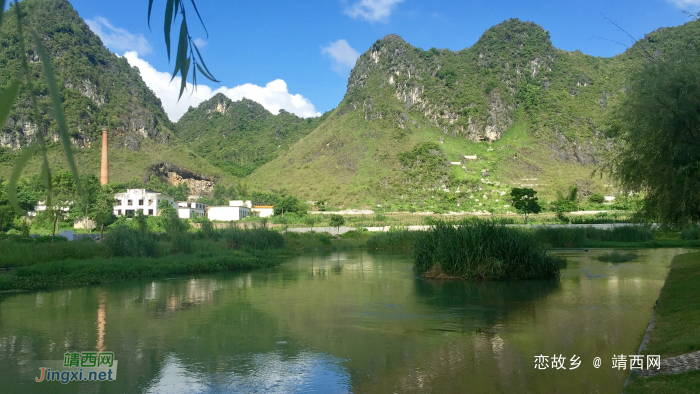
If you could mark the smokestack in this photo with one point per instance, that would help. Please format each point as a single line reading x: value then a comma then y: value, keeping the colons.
x: 104, y: 172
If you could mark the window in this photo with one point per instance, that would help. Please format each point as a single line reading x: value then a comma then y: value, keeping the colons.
x: 129, y: 202
x: 150, y: 202
x: 141, y: 202
x: 150, y: 212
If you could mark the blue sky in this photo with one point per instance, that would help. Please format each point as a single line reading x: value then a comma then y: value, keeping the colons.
x: 297, y: 55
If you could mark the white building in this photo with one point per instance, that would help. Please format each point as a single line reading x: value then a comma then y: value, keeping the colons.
x: 191, y: 210
x: 263, y: 211
x: 240, y: 203
x: 142, y: 200
x: 228, y: 214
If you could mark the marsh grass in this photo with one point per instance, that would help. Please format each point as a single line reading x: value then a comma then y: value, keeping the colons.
x: 393, y: 240
x: 74, y: 273
x: 482, y: 250
x: 563, y: 237
x: 617, y: 257
x: 256, y: 239
x: 18, y: 251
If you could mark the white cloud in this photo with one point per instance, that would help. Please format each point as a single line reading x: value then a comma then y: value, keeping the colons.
x: 273, y: 96
x: 118, y: 39
x: 342, y: 54
x: 200, y: 43
x: 372, y: 10
x: 686, y: 4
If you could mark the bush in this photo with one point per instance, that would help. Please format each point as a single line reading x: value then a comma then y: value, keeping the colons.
x: 258, y: 238
x: 122, y: 241
x: 690, y: 233
x: 482, y: 250
x: 596, y: 198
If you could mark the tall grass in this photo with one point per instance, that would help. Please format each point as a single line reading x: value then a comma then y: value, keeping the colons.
x: 307, y: 241
x: 482, y: 250
x: 73, y: 273
x: 123, y: 241
x: 563, y: 237
x: 18, y: 251
x: 393, y: 240
x: 257, y: 239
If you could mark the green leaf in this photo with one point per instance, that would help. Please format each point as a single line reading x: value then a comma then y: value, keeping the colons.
x: 185, y: 70
x: 57, y: 105
x: 181, y: 51
x: 150, y: 7
x: 208, y: 74
x: 7, y: 100
x: 27, y: 154
x: 200, y: 18
x: 168, y: 21
x: 205, y: 73
x: 177, y: 8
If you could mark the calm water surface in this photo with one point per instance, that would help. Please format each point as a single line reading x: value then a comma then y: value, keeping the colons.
x: 338, y: 323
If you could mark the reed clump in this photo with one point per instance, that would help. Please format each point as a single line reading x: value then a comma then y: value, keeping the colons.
x: 482, y: 250
x: 393, y: 240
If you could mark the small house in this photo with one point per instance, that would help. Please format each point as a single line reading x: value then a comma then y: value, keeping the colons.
x: 143, y: 200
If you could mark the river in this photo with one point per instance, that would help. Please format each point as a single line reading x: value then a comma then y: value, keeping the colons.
x: 341, y: 322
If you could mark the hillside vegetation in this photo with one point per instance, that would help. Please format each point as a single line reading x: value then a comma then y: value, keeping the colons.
x: 532, y: 114
x: 239, y: 136
x: 98, y: 89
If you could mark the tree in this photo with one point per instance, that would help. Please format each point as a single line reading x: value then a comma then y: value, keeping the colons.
x: 525, y: 201
x: 657, y: 127
x: 337, y: 221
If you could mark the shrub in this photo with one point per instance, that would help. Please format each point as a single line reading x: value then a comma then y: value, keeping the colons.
x: 690, y: 233
x: 596, y: 198
x: 122, y: 241
x: 482, y: 250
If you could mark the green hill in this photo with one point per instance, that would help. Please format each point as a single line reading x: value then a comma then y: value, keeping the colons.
x: 98, y: 88
x: 239, y: 136
x: 533, y: 115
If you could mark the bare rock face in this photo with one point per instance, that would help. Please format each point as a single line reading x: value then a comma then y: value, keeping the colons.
x: 168, y: 172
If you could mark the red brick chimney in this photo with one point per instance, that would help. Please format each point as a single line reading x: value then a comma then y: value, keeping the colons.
x: 104, y: 171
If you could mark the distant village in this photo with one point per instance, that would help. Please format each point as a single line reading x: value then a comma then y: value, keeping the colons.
x: 148, y: 202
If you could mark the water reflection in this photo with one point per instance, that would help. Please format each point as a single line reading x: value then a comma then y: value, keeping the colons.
x: 341, y: 322
x: 478, y: 305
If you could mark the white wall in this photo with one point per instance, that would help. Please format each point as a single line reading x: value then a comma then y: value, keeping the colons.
x: 264, y: 212
x: 227, y: 214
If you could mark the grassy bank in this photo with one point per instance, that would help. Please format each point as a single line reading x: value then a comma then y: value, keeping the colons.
x: 675, y: 328
x: 482, y: 250
x: 75, y: 273
x: 125, y: 253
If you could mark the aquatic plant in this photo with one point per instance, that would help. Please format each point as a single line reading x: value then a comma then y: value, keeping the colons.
x: 482, y: 250
x: 617, y: 257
